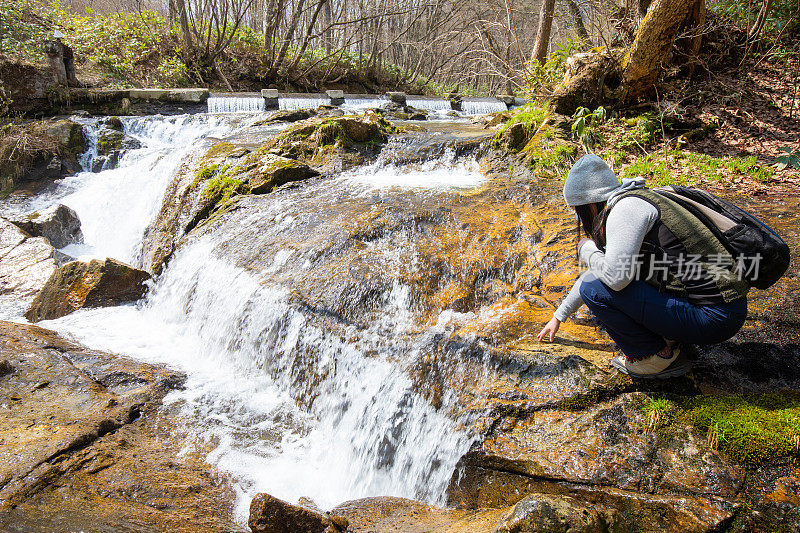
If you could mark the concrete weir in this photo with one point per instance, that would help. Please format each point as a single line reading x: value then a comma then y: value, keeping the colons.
x: 135, y: 101
x: 198, y: 100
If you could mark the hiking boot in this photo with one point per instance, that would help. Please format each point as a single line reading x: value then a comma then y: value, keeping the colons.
x: 667, y: 363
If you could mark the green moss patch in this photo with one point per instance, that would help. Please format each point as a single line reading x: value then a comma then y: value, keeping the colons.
x: 678, y: 167
x: 205, y: 173
x: 223, y: 186
x: 548, y: 155
x: 221, y: 149
x: 750, y: 428
x: 522, y: 126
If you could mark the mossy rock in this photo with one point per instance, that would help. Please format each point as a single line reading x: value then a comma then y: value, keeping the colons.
x: 111, y: 140
x: 95, y: 284
x: 39, y: 150
x: 68, y: 135
x: 346, y: 132
x: 278, y: 171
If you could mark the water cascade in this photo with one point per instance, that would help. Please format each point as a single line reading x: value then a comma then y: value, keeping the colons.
x: 429, y: 104
x: 475, y: 106
x: 236, y: 104
x: 291, y: 103
x: 253, y: 103
x: 292, y: 399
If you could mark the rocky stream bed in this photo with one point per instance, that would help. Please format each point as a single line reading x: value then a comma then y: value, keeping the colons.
x: 386, y: 280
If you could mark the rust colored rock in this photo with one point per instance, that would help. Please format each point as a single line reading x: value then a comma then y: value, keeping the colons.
x: 541, y: 512
x: 95, y: 284
x: 399, y: 515
x: 272, y: 515
x: 103, y: 455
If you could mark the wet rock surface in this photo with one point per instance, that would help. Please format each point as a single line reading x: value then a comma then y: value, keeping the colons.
x: 78, y: 285
x: 561, y: 440
x: 112, y: 143
x: 58, y: 224
x: 271, y: 515
x: 82, y: 437
x: 276, y: 171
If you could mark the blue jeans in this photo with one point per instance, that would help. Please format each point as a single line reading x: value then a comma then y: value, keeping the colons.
x: 639, y: 317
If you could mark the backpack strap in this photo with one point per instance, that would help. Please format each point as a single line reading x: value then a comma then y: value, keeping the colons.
x: 698, y: 240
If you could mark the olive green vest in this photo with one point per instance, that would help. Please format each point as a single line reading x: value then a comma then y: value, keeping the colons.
x: 697, y: 240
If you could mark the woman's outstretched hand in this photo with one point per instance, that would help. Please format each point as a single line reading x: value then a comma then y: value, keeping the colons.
x: 549, y: 330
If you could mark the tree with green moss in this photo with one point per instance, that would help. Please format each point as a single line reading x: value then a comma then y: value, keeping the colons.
x: 612, y: 76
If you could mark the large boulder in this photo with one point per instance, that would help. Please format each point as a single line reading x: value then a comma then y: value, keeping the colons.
x: 58, y: 224
x: 85, y: 444
x: 541, y: 512
x: 333, y: 143
x: 39, y: 151
x: 607, y: 454
x: 26, y: 264
x: 95, y: 284
x: 269, y: 514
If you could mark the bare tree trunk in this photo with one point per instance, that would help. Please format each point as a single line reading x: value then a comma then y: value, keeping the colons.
x: 761, y: 20
x: 186, y: 33
x: 604, y: 78
x: 577, y: 20
x: 287, y: 38
x: 307, y: 37
x: 542, y: 45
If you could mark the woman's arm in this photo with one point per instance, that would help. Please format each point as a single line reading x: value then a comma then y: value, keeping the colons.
x: 627, y: 224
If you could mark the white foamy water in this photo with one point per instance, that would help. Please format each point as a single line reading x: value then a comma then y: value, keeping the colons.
x: 235, y: 104
x: 246, y: 348
x: 304, y: 102
x: 482, y: 107
x: 446, y: 172
x: 116, y: 205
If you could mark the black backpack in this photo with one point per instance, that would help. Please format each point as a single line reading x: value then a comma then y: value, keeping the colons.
x: 759, y: 252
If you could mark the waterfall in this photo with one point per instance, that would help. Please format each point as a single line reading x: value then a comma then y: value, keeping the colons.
x: 482, y: 106
x: 290, y: 401
x: 116, y: 205
x: 236, y: 104
x: 301, y: 102
x: 430, y: 104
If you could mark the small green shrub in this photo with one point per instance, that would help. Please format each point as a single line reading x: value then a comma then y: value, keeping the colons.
x: 551, y: 73
x: 531, y: 116
x: 634, y: 134
x: 790, y: 159
x: 583, y: 125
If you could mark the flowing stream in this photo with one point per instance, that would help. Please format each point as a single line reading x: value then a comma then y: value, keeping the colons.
x: 288, y: 401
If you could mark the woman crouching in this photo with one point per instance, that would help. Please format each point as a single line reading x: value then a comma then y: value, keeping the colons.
x: 656, y: 276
